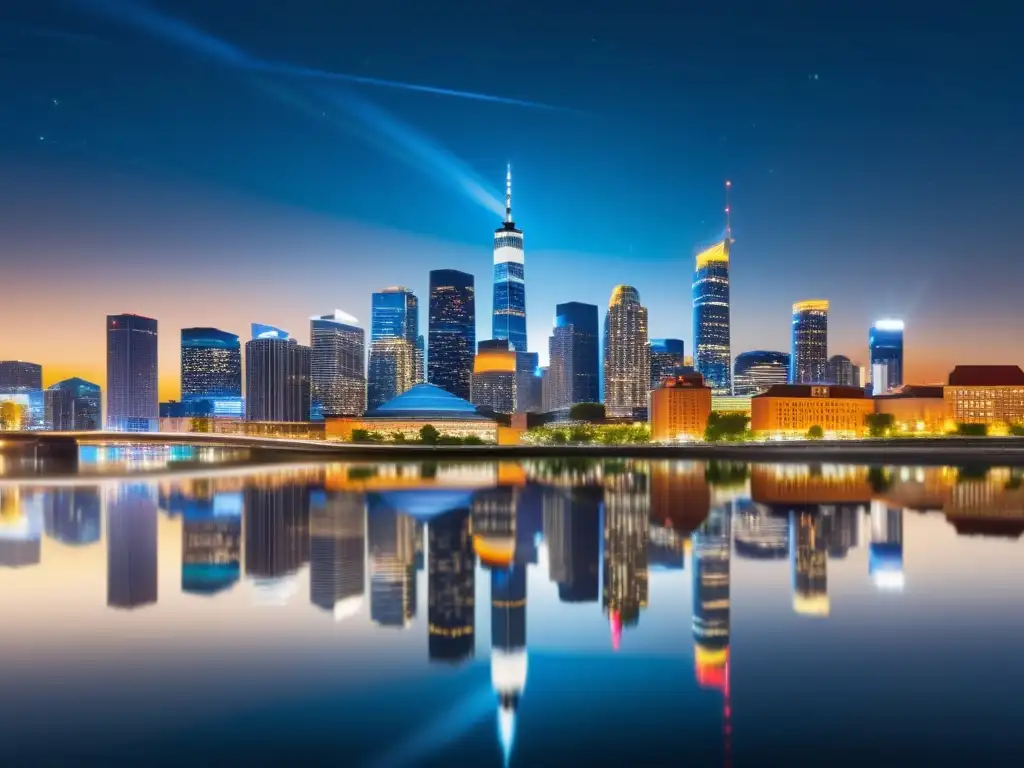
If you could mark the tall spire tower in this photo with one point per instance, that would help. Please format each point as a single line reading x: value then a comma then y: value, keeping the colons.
x: 712, y: 355
x: 509, y: 315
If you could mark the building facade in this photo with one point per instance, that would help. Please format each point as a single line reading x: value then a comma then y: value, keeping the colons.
x: 985, y: 394
x: 132, y: 400
x: 790, y: 410
x: 755, y: 371
x: 680, y: 407
x: 712, y: 355
x: 916, y: 408
x: 627, y: 364
x: 809, y: 357
x: 885, y: 342
x: 528, y: 384
x: 395, y: 365
x: 839, y: 370
x: 508, y: 320
x: 573, y: 371
x: 277, y: 376
x: 78, y: 407
x: 666, y: 359
x: 451, y: 345
x: 211, y: 369
x: 17, y: 377
x: 337, y: 373
x: 495, y: 376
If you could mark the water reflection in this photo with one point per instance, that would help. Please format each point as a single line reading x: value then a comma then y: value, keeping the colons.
x: 463, y: 558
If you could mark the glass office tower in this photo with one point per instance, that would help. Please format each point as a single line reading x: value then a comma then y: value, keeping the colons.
x: 573, y: 372
x: 809, y: 359
x: 132, y: 402
x: 337, y: 372
x: 451, y: 346
x: 277, y: 373
x: 885, y: 342
x: 394, y: 334
x: 755, y: 371
x: 711, y: 324
x: 666, y: 356
x: 508, y: 320
x: 211, y: 369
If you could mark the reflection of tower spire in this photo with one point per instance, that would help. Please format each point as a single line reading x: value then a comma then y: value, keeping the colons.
x: 508, y: 193
x: 728, y: 213
x: 615, y: 621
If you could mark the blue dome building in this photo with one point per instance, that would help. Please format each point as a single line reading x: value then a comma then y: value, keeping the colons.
x: 415, y: 408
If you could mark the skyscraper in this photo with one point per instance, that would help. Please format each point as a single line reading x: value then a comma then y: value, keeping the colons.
x: 886, y: 344
x: 508, y: 320
x: 810, y: 342
x: 277, y: 372
x: 755, y: 371
x: 573, y: 375
x: 132, y: 401
x: 627, y: 358
x: 528, y: 383
x: 211, y: 369
x: 451, y: 587
x: 394, y: 336
x: 132, y: 547
x: 666, y: 357
x: 495, y: 376
x: 18, y: 377
x: 452, y: 332
x: 712, y: 355
x: 337, y: 372
x: 839, y: 370
x: 73, y: 404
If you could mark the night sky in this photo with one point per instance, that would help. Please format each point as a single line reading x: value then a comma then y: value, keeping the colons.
x: 214, y: 162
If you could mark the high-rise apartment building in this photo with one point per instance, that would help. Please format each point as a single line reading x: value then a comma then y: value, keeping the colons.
x: 395, y: 364
x: 627, y: 363
x: 885, y: 342
x: 573, y: 371
x: 277, y: 376
x: 452, y: 333
x: 755, y: 371
x: 839, y: 370
x: 132, y: 400
x: 337, y: 365
x: 666, y: 359
x: 211, y: 369
x: 508, y: 320
x: 809, y: 359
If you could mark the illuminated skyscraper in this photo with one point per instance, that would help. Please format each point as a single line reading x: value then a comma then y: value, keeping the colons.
x: 627, y: 356
x: 528, y: 383
x: 211, y: 369
x: 337, y: 366
x: 809, y: 359
x: 132, y: 546
x: 711, y: 596
x: 132, y: 403
x: 277, y: 371
x: 885, y: 342
x: 452, y: 332
x: 495, y: 377
x: 839, y: 370
x: 712, y: 355
x: 509, y: 316
x: 755, y: 371
x: 626, y: 529
x: 573, y: 372
x: 451, y: 588
x: 392, y: 548
x: 18, y: 377
x: 666, y: 359
x: 337, y: 553
x: 73, y: 404
x: 809, y: 560
x: 394, y: 335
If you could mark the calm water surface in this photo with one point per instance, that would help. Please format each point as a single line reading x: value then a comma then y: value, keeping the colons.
x: 534, y: 613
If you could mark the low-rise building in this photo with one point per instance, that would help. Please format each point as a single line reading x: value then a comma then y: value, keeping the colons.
x: 680, y: 407
x: 985, y: 394
x: 916, y: 408
x: 790, y: 410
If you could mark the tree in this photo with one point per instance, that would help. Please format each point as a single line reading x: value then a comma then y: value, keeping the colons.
x: 429, y: 434
x: 592, y: 412
x: 879, y: 424
x: 815, y: 432
x: 726, y: 426
x: 199, y: 424
x: 880, y: 479
x: 11, y: 416
x: 1017, y: 430
x: 972, y: 430
x: 472, y: 440
x: 398, y: 437
x: 581, y: 433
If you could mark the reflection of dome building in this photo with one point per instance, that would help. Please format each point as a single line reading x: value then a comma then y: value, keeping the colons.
x: 760, y: 535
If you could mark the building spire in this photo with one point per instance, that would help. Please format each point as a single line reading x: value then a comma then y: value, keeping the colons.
x: 508, y: 194
x: 728, y: 212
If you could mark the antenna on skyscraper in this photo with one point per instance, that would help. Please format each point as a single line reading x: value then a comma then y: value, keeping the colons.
x: 728, y: 212
x: 508, y: 193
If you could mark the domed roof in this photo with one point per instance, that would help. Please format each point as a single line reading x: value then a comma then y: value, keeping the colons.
x: 425, y: 401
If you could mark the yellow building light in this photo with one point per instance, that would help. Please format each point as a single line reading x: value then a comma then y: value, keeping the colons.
x: 494, y: 362
x: 719, y: 252
x: 811, y: 305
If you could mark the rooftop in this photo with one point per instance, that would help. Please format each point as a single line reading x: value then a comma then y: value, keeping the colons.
x: 987, y: 376
x: 915, y: 390
x: 832, y: 391
x: 427, y: 401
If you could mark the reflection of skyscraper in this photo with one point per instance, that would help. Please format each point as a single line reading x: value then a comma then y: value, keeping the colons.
x: 72, y: 515
x: 276, y: 530
x: 392, y: 545
x: 885, y: 554
x: 451, y: 585
x: 131, y: 547
x: 841, y: 528
x: 711, y: 598
x: 666, y: 548
x: 508, y: 647
x: 572, y: 530
x: 21, y: 528
x: 626, y: 512
x: 211, y: 551
x: 337, y: 553
x: 758, y: 534
x: 810, y: 564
